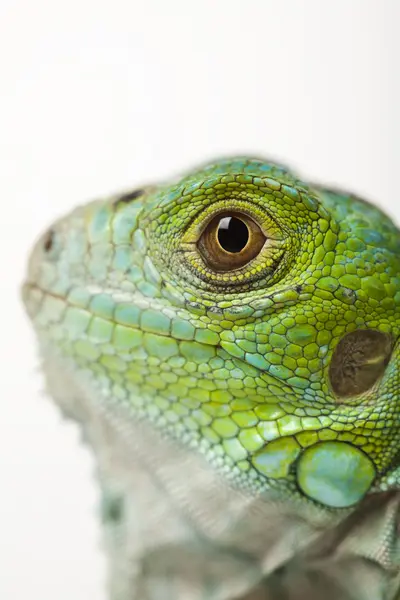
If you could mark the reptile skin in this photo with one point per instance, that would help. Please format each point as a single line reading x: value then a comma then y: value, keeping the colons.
x: 229, y: 344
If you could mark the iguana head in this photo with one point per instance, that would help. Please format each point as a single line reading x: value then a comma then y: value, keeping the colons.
x: 246, y: 313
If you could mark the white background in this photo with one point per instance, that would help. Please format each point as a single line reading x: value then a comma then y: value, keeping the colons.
x: 97, y: 96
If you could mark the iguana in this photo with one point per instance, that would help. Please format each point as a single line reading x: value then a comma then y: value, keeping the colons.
x: 228, y: 343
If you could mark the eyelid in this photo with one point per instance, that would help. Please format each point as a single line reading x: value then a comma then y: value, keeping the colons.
x: 262, y: 218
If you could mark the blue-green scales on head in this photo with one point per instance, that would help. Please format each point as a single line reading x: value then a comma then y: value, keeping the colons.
x: 243, y: 312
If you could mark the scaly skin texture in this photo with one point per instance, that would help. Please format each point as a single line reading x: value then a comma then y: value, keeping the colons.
x: 245, y: 420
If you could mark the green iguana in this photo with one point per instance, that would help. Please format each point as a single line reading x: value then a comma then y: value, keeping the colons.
x: 229, y: 344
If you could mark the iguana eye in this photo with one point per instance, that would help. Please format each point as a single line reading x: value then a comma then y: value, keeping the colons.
x: 230, y: 241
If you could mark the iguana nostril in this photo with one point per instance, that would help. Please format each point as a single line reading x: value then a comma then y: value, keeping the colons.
x: 359, y: 360
x: 48, y: 240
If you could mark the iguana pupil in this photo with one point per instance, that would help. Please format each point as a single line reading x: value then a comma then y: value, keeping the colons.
x: 233, y: 234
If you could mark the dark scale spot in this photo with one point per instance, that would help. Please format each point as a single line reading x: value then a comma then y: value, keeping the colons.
x: 112, y: 509
x: 129, y: 197
x: 215, y: 311
x: 358, y: 362
x: 48, y: 241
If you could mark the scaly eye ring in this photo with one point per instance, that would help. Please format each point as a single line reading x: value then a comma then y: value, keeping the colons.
x: 230, y: 241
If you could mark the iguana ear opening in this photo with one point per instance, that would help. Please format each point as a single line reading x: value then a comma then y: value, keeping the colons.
x: 359, y: 361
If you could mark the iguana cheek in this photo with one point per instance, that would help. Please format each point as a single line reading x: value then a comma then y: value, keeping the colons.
x: 335, y: 473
